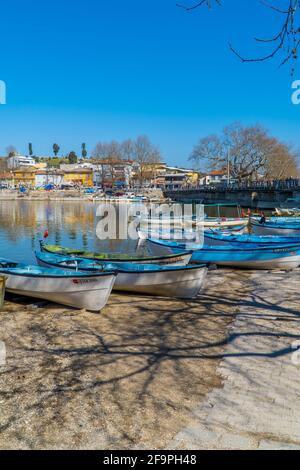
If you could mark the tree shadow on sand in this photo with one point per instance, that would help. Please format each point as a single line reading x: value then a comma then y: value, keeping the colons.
x: 133, y: 372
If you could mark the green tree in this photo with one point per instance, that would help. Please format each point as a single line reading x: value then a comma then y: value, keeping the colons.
x: 30, y: 150
x: 56, y: 149
x: 72, y: 157
x: 83, y: 150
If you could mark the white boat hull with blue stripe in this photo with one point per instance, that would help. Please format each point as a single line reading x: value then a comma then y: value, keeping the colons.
x: 167, y: 281
x: 277, y: 227
x: 284, y: 257
x: 80, y: 290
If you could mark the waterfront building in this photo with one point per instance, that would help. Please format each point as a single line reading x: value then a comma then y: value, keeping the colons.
x: 49, y: 176
x: 213, y: 178
x: 112, y: 173
x: 79, y: 177
x: 24, y: 176
x: 17, y: 161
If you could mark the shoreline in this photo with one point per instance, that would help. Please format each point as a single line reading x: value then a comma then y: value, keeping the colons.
x: 135, y: 371
x: 212, y: 373
x: 72, y: 197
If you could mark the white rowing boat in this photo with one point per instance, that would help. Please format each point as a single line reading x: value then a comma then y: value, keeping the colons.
x: 173, y: 281
x: 80, y: 290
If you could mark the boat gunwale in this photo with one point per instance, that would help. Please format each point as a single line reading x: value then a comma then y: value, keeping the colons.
x: 116, y: 260
x: 277, y: 225
x: 66, y: 275
x: 223, y: 249
x: 161, y: 269
x: 230, y: 239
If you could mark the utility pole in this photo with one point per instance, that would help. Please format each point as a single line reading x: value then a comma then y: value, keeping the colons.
x: 228, y: 168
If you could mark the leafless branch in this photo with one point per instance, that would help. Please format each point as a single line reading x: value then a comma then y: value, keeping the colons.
x: 286, y: 40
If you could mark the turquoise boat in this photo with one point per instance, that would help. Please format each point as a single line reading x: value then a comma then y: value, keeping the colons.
x: 167, y: 281
x: 285, y: 257
x: 218, y: 238
x: 276, y: 227
x: 76, y: 289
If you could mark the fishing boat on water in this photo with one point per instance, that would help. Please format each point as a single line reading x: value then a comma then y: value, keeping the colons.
x: 184, y: 234
x: 222, y: 238
x: 291, y: 207
x: 280, y: 212
x: 77, y: 289
x: 179, y: 259
x: 281, y: 227
x: 284, y: 257
x: 188, y: 222
x: 168, y: 281
x: 202, y: 219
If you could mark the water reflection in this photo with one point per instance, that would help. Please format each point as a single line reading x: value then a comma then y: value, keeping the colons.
x: 22, y: 224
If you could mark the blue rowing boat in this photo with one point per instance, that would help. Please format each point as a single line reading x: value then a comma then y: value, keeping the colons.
x: 217, y: 238
x: 285, y: 257
x: 276, y: 227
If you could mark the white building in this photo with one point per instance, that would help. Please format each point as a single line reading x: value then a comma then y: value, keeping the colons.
x: 214, y: 178
x: 18, y: 160
x: 44, y: 177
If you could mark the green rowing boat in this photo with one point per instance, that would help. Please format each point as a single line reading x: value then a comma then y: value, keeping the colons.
x: 181, y: 258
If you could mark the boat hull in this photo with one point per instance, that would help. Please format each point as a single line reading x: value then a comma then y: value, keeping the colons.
x: 272, y: 229
x: 186, y: 222
x: 285, y: 258
x: 185, y: 283
x: 180, y: 259
x: 222, y: 239
x: 239, y: 223
x: 90, y: 293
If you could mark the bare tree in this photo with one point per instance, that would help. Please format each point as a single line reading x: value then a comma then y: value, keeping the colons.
x: 141, y: 150
x: 145, y: 154
x: 286, y: 41
x: 11, y: 151
x: 283, y: 163
x: 127, y: 149
x: 108, y: 150
x: 248, y: 152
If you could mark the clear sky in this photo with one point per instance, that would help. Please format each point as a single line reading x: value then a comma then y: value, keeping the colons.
x: 84, y: 71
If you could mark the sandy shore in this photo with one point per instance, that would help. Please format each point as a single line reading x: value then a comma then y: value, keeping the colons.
x: 145, y: 372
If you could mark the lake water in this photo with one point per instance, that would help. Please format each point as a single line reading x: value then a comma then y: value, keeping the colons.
x: 70, y: 223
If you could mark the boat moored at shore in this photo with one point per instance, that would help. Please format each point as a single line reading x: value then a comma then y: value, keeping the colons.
x: 184, y: 282
x: 179, y: 259
x: 279, y: 227
x: 285, y: 257
x: 80, y: 290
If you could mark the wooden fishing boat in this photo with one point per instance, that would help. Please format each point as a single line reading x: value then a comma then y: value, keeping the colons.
x: 179, y: 235
x: 183, y: 234
x: 285, y: 257
x: 168, y: 281
x: 179, y: 259
x: 190, y: 221
x: 222, y: 238
x: 222, y: 223
x: 77, y: 289
x: 276, y: 227
x: 287, y: 212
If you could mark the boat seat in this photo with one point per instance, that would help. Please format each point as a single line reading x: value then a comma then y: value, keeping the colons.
x: 7, y: 264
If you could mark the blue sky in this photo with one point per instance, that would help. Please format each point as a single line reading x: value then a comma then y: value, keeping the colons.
x: 98, y: 70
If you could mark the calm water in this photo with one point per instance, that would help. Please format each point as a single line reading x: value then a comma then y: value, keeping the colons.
x: 71, y: 224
